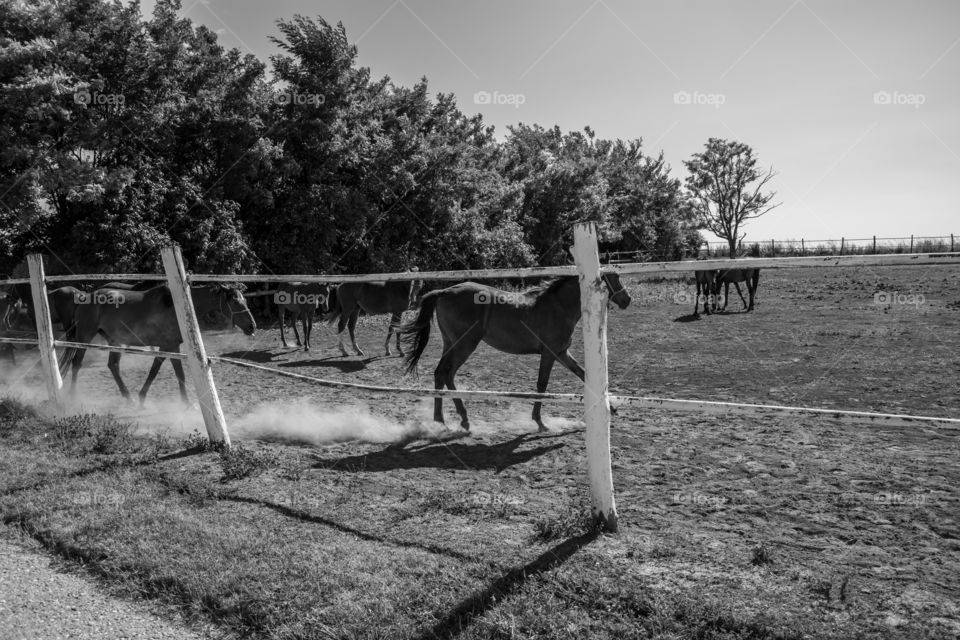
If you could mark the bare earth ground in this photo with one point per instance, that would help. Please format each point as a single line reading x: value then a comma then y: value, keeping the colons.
x: 806, y: 525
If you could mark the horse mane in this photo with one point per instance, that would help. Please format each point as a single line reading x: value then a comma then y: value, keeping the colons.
x: 548, y: 286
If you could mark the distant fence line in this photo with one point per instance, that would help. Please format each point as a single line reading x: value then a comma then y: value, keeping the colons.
x: 873, y: 245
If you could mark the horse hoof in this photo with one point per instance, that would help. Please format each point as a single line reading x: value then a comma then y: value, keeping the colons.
x: 360, y: 353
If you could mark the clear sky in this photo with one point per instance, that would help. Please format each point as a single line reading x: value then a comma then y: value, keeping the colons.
x: 798, y: 80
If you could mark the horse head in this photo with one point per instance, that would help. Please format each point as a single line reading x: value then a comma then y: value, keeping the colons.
x: 616, y: 291
x: 226, y: 307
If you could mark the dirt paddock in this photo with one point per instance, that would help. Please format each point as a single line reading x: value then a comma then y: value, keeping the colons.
x: 829, y: 523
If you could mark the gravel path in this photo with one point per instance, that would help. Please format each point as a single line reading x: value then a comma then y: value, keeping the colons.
x: 38, y: 602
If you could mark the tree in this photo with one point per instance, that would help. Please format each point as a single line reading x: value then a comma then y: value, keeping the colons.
x: 726, y: 189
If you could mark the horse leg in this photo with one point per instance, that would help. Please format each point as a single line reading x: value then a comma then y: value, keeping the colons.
x: 181, y: 381
x: 458, y: 355
x: 296, y: 334
x: 76, y: 362
x: 113, y: 363
x: 546, y: 365
x: 391, y: 330
x: 154, y: 368
x: 740, y: 293
x: 696, y: 303
x: 352, y: 327
x: 341, y: 324
x: 306, y: 319
x: 283, y: 321
x: 752, y: 288
x: 726, y: 294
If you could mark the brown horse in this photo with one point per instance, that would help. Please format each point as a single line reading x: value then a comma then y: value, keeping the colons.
x: 705, y: 285
x: 147, y: 319
x: 537, y: 321
x: 727, y: 276
x: 301, y: 300
x: 350, y: 298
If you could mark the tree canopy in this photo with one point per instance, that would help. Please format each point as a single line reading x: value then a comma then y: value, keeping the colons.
x: 122, y: 133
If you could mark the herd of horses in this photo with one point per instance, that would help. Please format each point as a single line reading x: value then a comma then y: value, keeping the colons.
x: 708, y: 284
x: 538, y: 321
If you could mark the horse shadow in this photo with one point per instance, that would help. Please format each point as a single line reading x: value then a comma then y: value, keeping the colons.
x: 475, y: 456
x: 690, y: 317
x: 257, y: 355
x: 333, y: 362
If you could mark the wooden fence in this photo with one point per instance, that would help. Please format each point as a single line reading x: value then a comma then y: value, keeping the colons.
x: 595, y: 399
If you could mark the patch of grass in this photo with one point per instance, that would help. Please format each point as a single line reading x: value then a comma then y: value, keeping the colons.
x: 102, y: 434
x: 761, y: 555
x: 564, y: 525
x: 240, y: 461
x: 12, y: 411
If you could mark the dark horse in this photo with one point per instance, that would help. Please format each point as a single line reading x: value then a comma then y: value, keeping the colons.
x: 301, y: 300
x: 147, y: 319
x: 736, y: 276
x: 392, y: 297
x: 706, y: 280
x: 538, y: 321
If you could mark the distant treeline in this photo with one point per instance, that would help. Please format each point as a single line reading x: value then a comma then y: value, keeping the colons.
x: 119, y: 134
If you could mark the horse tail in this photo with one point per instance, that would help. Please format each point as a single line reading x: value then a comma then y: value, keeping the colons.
x: 416, y: 333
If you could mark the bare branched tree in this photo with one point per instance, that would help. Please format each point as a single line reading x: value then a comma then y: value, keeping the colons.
x: 726, y: 189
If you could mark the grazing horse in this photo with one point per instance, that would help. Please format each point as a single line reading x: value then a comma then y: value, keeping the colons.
x: 373, y: 298
x: 147, y: 319
x: 727, y: 276
x: 302, y: 301
x: 537, y: 321
x: 705, y: 285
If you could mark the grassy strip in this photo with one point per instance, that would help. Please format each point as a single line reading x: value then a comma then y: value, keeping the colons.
x: 208, y: 534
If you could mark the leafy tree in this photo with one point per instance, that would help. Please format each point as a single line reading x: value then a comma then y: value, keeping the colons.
x: 726, y: 189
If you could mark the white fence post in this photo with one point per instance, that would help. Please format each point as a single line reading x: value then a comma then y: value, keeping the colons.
x: 41, y: 309
x: 196, y: 355
x: 596, y: 399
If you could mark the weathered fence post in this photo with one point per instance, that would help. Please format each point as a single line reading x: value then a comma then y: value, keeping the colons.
x: 874, y: 245
x: 803, y: 249
x: 842, y: 240
x: 596, y: 398
x: 911, y: 243
x: 41, y: 309
x: 196, y: 355
x: 951, y: 243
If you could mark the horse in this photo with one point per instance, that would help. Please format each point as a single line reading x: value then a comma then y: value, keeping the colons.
x: 302, y: 301
x: 727, y: 276
x: 537, y: 321
x: 393, y: 297
x: 147, y: 319
x: 705, y: 285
